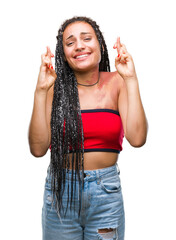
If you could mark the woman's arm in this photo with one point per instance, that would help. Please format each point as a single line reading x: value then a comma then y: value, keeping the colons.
x: 39, y: 128
x: 129, y: 102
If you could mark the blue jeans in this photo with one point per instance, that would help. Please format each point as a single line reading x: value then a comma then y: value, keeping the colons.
x: 102, y: 208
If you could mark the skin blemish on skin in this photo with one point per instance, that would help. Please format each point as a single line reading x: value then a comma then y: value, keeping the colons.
x: 107, y: 233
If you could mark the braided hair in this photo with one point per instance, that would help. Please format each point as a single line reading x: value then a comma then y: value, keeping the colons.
x: 66, y: 121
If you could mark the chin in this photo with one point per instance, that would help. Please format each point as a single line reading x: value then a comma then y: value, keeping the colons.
x: 83, y: 68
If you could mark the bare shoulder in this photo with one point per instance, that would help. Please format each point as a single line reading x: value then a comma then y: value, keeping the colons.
x: 112, y: 79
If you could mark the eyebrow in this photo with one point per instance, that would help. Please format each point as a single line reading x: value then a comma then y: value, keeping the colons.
x: 82, y: 33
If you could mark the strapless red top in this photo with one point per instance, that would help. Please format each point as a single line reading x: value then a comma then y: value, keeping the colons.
x: 103, y: 130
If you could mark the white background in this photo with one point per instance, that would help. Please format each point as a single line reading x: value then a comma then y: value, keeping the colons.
x: 147, y: 28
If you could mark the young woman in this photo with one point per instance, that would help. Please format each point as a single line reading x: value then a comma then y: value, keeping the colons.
x: 82, y: 112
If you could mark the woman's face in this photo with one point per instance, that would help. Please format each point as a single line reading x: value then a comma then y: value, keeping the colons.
x: 81, y: 47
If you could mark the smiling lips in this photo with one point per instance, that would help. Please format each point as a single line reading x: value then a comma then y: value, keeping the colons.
x: 80, y: 56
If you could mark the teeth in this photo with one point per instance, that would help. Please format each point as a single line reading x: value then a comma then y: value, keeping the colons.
x: 81, y: 56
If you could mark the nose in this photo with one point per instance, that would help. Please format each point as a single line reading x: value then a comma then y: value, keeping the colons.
x: 80, y: 45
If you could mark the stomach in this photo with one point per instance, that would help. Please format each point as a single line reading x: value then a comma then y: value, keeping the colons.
x: 98, y: 160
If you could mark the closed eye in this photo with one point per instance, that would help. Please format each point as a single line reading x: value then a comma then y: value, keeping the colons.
x: 70, y: 43
x: 87, y: 39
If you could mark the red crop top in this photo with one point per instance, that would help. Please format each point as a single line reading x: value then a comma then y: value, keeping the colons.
x: 103, y: 130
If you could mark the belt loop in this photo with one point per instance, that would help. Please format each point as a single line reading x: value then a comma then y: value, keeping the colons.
x: 118, y: 169
x: 98, y: 176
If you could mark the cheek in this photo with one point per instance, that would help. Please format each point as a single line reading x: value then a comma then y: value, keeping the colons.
x: 98, y: 51
x: 98, y: 55
x: 67, y: 53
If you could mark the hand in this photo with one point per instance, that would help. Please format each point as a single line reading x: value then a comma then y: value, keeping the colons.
x: 124, y: 62
x: 47, y: 74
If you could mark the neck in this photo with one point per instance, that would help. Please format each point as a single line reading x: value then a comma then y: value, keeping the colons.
x: 87, y: 78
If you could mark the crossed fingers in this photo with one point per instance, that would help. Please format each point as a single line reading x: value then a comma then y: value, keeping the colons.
x: 122, y: 51
x: 46, y: 58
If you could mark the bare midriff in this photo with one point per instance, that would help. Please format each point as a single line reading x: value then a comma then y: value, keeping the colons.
x: 98, y: 160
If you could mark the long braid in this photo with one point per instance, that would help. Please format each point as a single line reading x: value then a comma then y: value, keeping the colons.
x: 66, y: 121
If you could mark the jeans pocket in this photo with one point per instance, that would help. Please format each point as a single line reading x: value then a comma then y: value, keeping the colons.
x: 47, y: 195
x: 111, y: 185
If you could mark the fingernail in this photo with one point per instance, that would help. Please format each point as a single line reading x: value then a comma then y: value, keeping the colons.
x: 52, y: 55
x: 51, y: 67
x: 118, y: 55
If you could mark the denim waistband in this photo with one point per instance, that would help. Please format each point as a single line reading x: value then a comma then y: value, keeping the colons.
x: 91, y: 175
